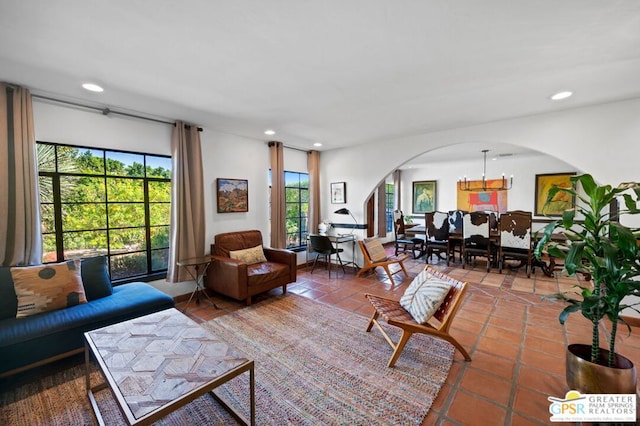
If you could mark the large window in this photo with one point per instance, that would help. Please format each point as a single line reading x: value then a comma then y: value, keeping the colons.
x: 389, y: 196
x: 297, y: 206
x: 106, y: 202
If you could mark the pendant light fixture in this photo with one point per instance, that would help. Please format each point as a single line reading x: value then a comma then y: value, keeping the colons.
x: 465, y: 185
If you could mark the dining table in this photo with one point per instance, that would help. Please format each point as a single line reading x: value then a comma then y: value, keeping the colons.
x: 548, y: 265
x: 494, y: 234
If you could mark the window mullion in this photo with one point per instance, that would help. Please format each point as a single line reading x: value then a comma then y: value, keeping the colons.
x: 147, y: 224
x: 57, y: 217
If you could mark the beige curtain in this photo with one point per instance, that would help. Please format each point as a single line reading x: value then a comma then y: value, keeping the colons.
x: 382, y: 210
x: 313, y: 165
x: 187, y: 200
x: 397, y: 187
x: 278, y: 215
x: 21, y: 241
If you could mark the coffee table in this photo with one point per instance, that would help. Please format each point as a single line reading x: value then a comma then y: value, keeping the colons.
x: 157, y: 363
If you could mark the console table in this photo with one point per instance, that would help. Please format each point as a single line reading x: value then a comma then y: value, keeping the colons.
x: 337, y: 240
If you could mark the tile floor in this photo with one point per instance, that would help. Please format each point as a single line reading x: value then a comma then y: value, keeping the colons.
x: 513, y: 336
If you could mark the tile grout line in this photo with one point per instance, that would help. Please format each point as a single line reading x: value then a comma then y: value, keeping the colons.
x: 455, y: 387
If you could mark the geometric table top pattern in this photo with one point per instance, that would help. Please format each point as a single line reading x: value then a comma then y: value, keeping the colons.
x: 161, y: 357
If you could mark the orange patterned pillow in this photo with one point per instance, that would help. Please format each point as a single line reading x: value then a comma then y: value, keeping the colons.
x: 249, y: 256
x: 47, y: 287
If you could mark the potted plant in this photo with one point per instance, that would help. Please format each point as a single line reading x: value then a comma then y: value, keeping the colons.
x: 602, y: 249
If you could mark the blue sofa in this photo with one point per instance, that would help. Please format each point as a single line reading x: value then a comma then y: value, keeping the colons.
x: 35, y: 340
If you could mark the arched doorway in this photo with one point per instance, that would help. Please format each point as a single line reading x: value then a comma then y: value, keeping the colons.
x: 445, y: 166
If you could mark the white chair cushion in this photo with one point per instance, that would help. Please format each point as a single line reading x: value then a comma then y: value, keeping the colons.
x: 424, y: 296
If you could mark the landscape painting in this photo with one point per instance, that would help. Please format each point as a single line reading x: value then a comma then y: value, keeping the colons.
x: 233, y: 195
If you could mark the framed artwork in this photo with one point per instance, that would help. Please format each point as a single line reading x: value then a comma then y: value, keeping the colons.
x: 479, y: 199
x: 560, y: 202
x: 232, y: 195
x: 338, y: 192
x: 424, y: 196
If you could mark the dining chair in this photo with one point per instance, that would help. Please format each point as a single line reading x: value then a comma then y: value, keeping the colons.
x: 494, y: 218
x: 322, y: 245
x: 515, y: 239
x: 437, y: 234
x: 403, y: 243
x: 476, y: 238
x: 455, y: 233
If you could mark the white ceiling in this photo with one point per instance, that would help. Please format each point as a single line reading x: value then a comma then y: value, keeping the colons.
x: 340, y: 72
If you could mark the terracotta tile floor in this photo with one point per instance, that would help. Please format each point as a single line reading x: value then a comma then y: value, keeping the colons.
x: 512, y: 335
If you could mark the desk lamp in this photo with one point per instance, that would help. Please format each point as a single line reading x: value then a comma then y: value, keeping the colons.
x: 346, y: 211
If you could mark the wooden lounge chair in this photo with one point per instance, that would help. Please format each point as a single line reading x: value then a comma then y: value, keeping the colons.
x: 438, y: 325
x: 374, y: 256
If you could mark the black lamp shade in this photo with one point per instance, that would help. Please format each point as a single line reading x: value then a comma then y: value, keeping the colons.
x: 342, y: 211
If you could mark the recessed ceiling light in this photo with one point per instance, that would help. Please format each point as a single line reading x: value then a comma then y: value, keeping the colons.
x: 561, y: 95
x: 317, y: 144
x: 92, y: 87
x: 269, y: 132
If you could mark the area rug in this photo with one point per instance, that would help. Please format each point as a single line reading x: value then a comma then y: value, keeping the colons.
x: 314, y: 365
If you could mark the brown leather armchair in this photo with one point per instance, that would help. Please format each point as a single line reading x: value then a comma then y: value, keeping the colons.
x: 240, y: 280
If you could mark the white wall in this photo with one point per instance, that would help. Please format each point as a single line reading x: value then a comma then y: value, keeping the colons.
x: 601, y: 140
x: 234, y: 157
x: 224, y: 156
x: 229, y: 156
x: 446, y: 174
x: 55, y: 123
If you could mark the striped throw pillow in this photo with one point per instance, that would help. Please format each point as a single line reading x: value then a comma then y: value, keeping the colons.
x: 424, y: 296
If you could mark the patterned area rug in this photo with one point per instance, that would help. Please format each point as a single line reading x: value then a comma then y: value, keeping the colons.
x: 315, y: 364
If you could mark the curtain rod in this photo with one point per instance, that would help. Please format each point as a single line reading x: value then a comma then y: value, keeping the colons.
x: 290, y: 147
x: 296, y: 149
x: 107, y: 111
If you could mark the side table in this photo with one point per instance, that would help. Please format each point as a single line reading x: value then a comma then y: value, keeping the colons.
x: 197, y: 269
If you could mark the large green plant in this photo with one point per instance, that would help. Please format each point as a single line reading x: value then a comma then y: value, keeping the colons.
x: 598, y: 246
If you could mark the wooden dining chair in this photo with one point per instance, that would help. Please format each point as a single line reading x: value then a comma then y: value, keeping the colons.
x: 437, y: 234
x: 515, y: 239
x: 476, y: 238
x: 455, y: 233
x: 404, y: 243
x: 437, y: 326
